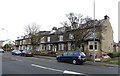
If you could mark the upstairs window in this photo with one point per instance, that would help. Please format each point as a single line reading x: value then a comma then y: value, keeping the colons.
x: 61, y: 38
x: 48, y: 39
x: 42, y: 39
x: 71, y: 36
x: 92, y: 34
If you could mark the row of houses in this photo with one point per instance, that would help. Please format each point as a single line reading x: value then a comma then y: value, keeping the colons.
x: 61, y: 39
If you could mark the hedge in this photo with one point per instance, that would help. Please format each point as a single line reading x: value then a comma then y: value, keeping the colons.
x: 113, y: 55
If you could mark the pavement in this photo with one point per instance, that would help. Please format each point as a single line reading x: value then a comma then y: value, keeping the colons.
x: 87, y: 62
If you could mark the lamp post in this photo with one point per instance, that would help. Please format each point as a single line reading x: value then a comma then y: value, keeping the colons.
x: 94, y: 31
x: 7, y: 37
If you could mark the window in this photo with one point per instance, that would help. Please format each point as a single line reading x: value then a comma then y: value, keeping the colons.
x: 69, y: 46
x: 70, y: 53
x: 21, y: 42
x: 48, y: 47
x: 95, y: 45
x: 92, y: 34
x: 65, y: 54
x: 75, y: 53
x: 71, y: 36
x: 92, y: 45
x: 61, y: 38
x: 61, y: 46
x: 82, y: 54
x: 48, y: 39
x: 24, y: 42
x: 42, y: 40
x: 61, y: 29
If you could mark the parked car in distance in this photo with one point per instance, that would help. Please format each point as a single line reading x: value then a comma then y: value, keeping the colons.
x: 2, y: 51
x: 73, y: 57
x: 16, y: 52
x: 26, y: 53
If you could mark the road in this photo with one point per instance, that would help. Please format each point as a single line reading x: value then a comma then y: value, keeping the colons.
x: 31, y: 65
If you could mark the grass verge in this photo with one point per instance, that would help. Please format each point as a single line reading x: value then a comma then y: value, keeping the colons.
x: 116, y: 62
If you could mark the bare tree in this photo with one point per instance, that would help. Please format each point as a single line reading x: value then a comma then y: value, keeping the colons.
x: 65, y: 23
x: 33, y: 31
x: 80, y: 28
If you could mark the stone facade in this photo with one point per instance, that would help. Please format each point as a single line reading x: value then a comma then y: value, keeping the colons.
x: 61, y: 39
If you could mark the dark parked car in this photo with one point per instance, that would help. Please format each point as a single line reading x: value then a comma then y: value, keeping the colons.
x: 1, y: 51
x: 16, y: 52
x: 26, y: 53
x: 74, y: 57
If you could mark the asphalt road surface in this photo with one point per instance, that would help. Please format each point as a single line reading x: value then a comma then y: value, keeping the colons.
x: 30, y: 65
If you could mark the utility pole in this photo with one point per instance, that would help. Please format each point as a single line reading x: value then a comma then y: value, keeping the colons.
x: 94, y: 31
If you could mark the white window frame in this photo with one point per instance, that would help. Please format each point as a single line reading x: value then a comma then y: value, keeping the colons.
x: 69, y: 46
x: 48, y: 39
x: 92, y: 43
x: 48, y: 47
x: 60, y: 47
x: 61, y: 38
x: 71, y: 36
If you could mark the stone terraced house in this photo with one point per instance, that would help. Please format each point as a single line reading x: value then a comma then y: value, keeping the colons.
x: 60, y: 39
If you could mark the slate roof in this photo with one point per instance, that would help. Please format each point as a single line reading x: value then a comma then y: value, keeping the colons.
x: 89, y: 24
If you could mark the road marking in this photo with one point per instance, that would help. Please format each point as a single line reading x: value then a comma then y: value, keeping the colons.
x: 46, y: 68
x: 71, y: 72
x: 65, y: 71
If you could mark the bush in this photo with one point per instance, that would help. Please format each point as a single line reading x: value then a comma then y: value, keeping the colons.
x: 36, y: 52
x: 89, y: 58
x: 118, y: 54
x: 113, y: 55
x: 117, y: 62
x: 110, y: 54
x: 105, y: 59
x: 51, y: 52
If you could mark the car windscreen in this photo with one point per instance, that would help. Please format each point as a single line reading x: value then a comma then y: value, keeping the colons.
x: 26, y: 51
x: 82, y: 54
x: 13, y: 50
x: 18, y: 51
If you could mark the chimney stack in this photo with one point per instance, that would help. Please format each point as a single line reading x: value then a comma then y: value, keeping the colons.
x: 106, y: 17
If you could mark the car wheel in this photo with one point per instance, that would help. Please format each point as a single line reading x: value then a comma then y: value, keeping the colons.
x: 58, y: 60
x: 74, y: 62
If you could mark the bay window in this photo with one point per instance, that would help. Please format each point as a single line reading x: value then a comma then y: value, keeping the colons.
x: 92, y: 45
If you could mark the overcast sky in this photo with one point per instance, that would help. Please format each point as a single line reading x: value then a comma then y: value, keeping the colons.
x: 16, y: 14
